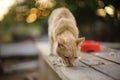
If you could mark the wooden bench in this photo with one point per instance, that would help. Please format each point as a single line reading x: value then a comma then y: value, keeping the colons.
x: 93, y: 66
x: 16, y: 57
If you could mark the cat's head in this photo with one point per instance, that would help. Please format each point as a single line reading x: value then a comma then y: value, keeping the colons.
x: 67, y: 50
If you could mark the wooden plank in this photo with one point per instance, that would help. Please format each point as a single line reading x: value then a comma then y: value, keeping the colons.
x: 18, y: 49
x: 79, y: 72
x: 21, y: 66
x: 106, y: 67
x: 109, y: 54
x: 46, y: 72
x: 111, y: 45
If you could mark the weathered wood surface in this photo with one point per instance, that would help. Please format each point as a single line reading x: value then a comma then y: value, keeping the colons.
x: 17, y: 57
x: 108, y: 68
x: 18, y: 49
x: 111, y: 45
x: 89, y: 67
x: 23, y: 66
x: 46, y: 72
x: 109, y: 54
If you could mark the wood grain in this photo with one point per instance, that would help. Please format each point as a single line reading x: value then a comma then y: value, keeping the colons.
x: 106, y: 67
x: 110, y: 55
x: 82, y: 69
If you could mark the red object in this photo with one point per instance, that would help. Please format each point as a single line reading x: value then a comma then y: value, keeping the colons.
x: 90, y: 46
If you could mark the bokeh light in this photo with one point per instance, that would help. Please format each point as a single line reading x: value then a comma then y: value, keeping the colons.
x: 34, y: 10
x: 109, y: 10
x: 101, y: 3
x: 31, y: 18
x: 5, y: 7
x: 42, y: 10
x: 101, y: 12
x: 43, y: 4
x: 118, y: 15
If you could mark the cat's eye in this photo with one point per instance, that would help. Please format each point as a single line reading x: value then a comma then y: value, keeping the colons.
x: 60, y: 46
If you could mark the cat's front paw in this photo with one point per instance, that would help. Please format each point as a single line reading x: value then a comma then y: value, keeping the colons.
x: 59, y: 61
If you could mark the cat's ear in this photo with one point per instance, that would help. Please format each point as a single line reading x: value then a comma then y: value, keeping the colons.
x: 79, y: 41
x: 60, y: 43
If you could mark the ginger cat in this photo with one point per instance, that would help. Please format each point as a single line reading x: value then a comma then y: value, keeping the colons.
x: 63, y: 35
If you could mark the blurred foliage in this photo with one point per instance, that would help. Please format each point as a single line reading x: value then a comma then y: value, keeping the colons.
x: 96, y: 19
x: 88, y: 20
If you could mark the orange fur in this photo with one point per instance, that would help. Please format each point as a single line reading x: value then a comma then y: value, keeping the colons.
x: 63, y: 35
